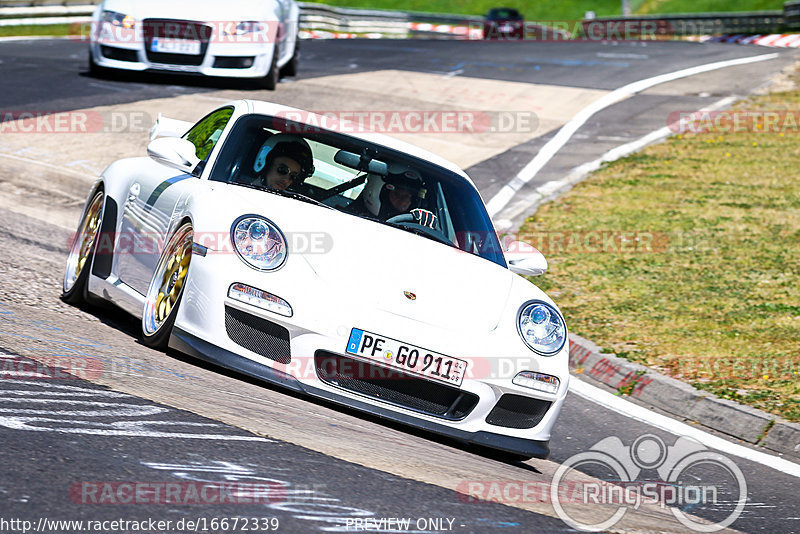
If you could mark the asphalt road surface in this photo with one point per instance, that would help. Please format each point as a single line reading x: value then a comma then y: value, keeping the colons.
x: 145, y: 420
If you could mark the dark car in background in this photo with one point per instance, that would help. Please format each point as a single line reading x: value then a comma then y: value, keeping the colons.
x: 503, y: 23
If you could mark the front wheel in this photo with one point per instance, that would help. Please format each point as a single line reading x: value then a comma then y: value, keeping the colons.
x: 95, y: 70
x: 270, y: 80
x: 166, y: 288
x: 290, y: 69
x: 81, y: 252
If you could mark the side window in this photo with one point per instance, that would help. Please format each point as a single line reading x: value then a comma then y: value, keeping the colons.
x: 205, y: 134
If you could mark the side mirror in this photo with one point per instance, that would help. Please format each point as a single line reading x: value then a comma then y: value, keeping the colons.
x: 166, y: 127
x: 174, y: 152
x: 524, y: 259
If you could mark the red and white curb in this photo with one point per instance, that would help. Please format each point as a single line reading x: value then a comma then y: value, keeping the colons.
x: 588, y: 362
x: 470, y: 32
x: 466, y: 32
x: 774, y: 40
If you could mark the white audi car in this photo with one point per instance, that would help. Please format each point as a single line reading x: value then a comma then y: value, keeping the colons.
x: 234, y: 38
x: 349, y: 266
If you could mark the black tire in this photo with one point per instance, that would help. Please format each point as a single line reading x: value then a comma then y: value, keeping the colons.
x: 290, y: 69
x: 96, y: 71
x: 270, y: 81
x: 155, y: 332
x: 81, y: 254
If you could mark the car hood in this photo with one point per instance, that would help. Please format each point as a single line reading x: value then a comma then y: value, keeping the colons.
x: 198, y: 10
x: 374, y: 266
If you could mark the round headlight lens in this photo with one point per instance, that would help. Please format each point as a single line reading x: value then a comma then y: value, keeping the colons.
x: 259, y: 243
x: 542, y: 328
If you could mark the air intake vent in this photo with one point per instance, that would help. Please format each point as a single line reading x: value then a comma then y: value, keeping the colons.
x: 394, y: 387
x: 258, y: 335
x: 516, y: 411
x: 119, y: 54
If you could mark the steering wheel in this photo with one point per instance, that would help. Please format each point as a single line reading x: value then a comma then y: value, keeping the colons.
x: 407, y: 220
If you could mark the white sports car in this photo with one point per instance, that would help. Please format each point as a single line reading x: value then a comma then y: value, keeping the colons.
x: 351, y: 267
x: 233, y: 38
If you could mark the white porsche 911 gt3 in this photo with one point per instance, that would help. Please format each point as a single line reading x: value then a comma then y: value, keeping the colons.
x: 352, y: 267
x: 235, y: 38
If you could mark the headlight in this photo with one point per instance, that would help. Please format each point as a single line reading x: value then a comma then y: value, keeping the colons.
x: 241, y: 28
x: 542, y: 328
x: 118, y: 19
x: 259, y: 243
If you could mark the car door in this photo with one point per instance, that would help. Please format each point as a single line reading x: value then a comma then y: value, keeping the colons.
x: 153, y: 199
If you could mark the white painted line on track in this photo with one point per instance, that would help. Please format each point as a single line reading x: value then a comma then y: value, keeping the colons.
x: 59, y: 168
x: 640, y: 413
x: 34, y: 38
x: 504, y: 196
x: 633, y: 146
x: 578, y: 173
x: 109, y: 87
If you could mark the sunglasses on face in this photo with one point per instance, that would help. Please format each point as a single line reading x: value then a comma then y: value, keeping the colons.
x: 284, y: 170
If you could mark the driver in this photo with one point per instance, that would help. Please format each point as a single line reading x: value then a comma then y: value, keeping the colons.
x: 282, y: 161
x: 399, y: 192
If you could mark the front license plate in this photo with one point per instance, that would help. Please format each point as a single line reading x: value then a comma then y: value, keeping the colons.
x: 175, y: 46
x: 405, y: 357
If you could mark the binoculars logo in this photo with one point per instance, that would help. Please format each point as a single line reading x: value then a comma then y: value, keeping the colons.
x: 687, y: 477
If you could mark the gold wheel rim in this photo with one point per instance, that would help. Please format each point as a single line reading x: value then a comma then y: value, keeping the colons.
x: 168, y: 280
x: 84, y: 241
x: 172, y: 280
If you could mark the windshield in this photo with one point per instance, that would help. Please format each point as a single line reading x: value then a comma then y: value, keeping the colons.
x: 359, y: 178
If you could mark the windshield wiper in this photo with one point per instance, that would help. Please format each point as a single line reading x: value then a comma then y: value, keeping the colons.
x: 289, y: 194
x: 297, y: 196
x: 423, y: 233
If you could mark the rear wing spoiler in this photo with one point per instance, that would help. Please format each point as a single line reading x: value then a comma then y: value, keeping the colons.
x: 166, y: 127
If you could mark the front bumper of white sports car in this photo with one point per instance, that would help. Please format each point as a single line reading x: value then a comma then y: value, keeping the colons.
x: 234, y: 57
x: 524, y: 446
x: 306, y: 351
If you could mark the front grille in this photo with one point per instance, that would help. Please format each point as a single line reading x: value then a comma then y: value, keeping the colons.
x: 233, y: 62
x: 120, y: 54
x: 258, y: 335
x: 516, y: 411
x: 175, y: 29
x: 394, y: 387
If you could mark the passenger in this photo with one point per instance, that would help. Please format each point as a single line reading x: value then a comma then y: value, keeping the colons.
x: 283, y: 160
